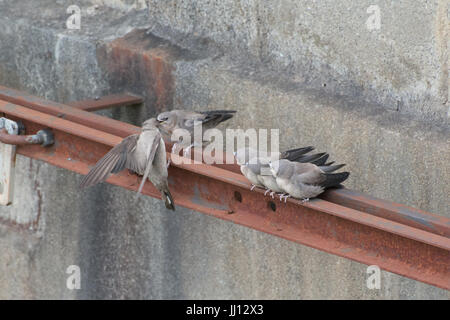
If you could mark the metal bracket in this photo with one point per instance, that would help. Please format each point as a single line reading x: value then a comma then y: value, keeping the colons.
x: 7, y: 162
x: 9, y: 139
x: 43, y: 137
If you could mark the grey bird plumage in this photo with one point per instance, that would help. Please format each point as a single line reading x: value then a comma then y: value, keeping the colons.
x: 305, y: 180
x: 256, y: 168
x: 269, y: 181
x: 170, y: 121
x: 252, y: 170
x: 143, y: 153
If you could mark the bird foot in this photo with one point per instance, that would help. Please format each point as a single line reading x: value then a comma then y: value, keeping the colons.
x: 272, y: 194
x: 252, y: 187
x: 305, y: 200
x: 286, y: 197
x: 268, y: 190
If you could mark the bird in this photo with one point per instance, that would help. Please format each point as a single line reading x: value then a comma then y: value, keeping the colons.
x: 252, y: 166
x: 305, y: 180
x: 251, y: 170
x: 143, y: 153
x: 261, y: 169
x: 170, y: 121
x: 269, y: 181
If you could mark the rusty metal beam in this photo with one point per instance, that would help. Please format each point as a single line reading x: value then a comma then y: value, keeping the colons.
x: 400, y: 213
x: 66, y: 112
x: 382, y: 208
x: 110, y: 101
x: 356, y: 234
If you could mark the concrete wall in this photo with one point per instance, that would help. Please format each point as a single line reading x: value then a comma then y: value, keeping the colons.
x: 376, y: 100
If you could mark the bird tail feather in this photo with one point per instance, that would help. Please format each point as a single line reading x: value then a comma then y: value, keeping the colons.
x: 334, y: 179
x: 321, y: 161
x: 328, y: 168
x: 214, y: 117
x: 168, y: 199
x: 310, y: 157
x: 294, y: 154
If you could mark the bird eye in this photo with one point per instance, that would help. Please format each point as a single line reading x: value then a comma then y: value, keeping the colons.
x: 162, y: 119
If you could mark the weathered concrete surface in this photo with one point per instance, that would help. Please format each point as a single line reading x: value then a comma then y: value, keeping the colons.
x: 403, y: 65
x: 143, y: 251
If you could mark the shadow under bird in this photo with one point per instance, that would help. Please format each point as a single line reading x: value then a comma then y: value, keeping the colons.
x: 170, y: 121
x: 143, y: 153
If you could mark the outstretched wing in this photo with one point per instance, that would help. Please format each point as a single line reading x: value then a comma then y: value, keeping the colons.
x: 114, y: 161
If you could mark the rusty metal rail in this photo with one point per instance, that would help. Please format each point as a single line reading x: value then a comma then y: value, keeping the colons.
x: 111, y: 101
x: 397, y: 238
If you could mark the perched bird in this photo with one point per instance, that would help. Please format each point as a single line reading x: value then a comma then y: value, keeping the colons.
x: 251, y: 170
x: 170, y: 121
x: 261, y: 168
x: 305, y: 180
x: 267, y: 180
x: 143, y: 153
x: 252, y: 166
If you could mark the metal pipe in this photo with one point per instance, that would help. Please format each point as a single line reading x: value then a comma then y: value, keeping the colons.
x: 43, y: 137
